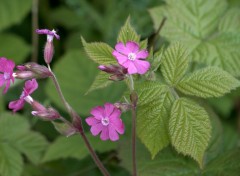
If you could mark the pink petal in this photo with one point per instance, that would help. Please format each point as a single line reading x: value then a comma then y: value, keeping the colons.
x: 30, y: 86
x: 116, y: 121
x: 142, y: 54
x: 113, y: 135
x: 2, y: 80
x: 105, y: 134
x: 98, y: 112
x: 96, y: 129
x: 92, y: 121
x: 131, y: 67
x: 120, y: 57
x: 16, y: 105
x: 108, y: 109
x: 132, y: 46
x: 142, y: 66
x: 120, y: 47
x: 6, y: 87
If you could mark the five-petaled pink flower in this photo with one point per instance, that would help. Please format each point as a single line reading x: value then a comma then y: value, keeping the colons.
x: 29, y: 87
x: 6, y: 73
x: 107, y: 121
x: 131, y: 57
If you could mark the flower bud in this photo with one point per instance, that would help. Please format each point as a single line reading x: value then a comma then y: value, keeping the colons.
x: 24, y: 75
x: 123, y: 106
x: 48, y: 52
x: 118, y: 72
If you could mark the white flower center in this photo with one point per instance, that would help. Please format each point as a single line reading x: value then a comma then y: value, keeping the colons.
x: 105, y: 121
x: 6, y: 76
x: 132, y: 56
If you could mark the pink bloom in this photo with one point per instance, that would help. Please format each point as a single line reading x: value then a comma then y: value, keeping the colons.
x: 6, y: 73
x: 131, y: 57
x: 107, y: 121
x: 29, y: 88
x: 50, y: 34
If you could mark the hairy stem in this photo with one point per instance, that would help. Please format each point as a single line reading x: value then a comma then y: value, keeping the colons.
x: 77, y: 120
x: 34, y: 27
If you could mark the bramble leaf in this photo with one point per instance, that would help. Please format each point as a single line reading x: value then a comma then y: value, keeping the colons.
x: 174, y: 63
x: 208, y: 82
x: 189, y: 129
x: 154, y: 107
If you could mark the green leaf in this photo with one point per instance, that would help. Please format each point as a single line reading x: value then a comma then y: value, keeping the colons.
x: 154, y: 107
x: 21, y: 48
x: 174, y: 63
x: 74, y: 147
x: 100, y: 53
x: 198, y: 25
x: 11, y: 163
x: 189, y: 129
x: 75, y: 73
x: 12, y: 12
x: 208, y: 82
x: 100, y: 81
x: 128, y: 33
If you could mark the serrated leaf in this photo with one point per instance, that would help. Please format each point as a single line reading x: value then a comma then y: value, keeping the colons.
x: 155, y: 102
x: 189, y: 129
x: 198, y: 25
x: 101, y: 81
x: 99, y: 52
x: 12, y: 12
x: 11, y: 163
x: 74, y: 147
x: 128, y: 33
x: 208, y: 82
x: 20, y: 51
x: 75, y: 73
x: 174, y: 63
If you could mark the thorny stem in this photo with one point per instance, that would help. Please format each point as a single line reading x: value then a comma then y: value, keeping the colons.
x: 73, y: 115
x: 34, y: 27
x: 134, y: 99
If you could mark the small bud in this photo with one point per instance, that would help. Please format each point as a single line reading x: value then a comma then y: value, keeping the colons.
x: 123, y: 106
x: 118, y: 72
x: 48, y: 52
x: 24, y: 75
x: 49, y: 114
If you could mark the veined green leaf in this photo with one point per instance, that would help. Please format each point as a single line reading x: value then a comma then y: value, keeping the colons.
x: 99, y: 52
x: 208, y: 82
x: 174, y: 63
x: 189, y: 129
x: 128, y: 33
x: 153, y: 113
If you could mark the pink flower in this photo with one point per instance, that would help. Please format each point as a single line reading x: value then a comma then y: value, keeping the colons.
x: 29, y: 88
x: 6, y: 73
x: 107, y: 121
x: 50, y: 34
x: 131, y: 57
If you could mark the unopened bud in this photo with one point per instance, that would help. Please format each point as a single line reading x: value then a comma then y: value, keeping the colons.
x: 24, y: 75
x: 48, y: 52
x: 122, y: 106
x: 48, y: 114
x: 116, y: 77
x: 118, y: 72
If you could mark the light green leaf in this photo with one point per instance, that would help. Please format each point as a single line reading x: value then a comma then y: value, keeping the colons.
x: 21, y: 48
x: 198, y: 25
x: 11, y: 163
x: 174, y: 63
x: 154, y: 107
x: 101, y: 81
x: 75, y: 73
x: 128, y: 33
x: 208, y: 82
x: 74, y: 147
x: 189, y: 129
x: 100, y: 53
x: 12, y: 12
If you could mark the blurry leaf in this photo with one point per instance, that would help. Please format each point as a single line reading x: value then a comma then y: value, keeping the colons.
x: 231, y: 137
x: 154, y: 107
x: 128, y: 33
x: 208, y: 82
x: 189, y: 129
x: 174, y: 63
x: 166, y: 163
x: 74, y: 147
x: 75, y: 74
x: 100, y: 53
x: 101, y: 81
x: 11, y: 163
x: 12, y: 12
x: 227, y: 164
x: 13, y: 47
x: 201, y: 26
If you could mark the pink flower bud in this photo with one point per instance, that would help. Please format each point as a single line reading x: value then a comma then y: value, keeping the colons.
x: 24, y: 75
x: 48, y: 52
x: 118, y: 72
x: 48, y: 114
